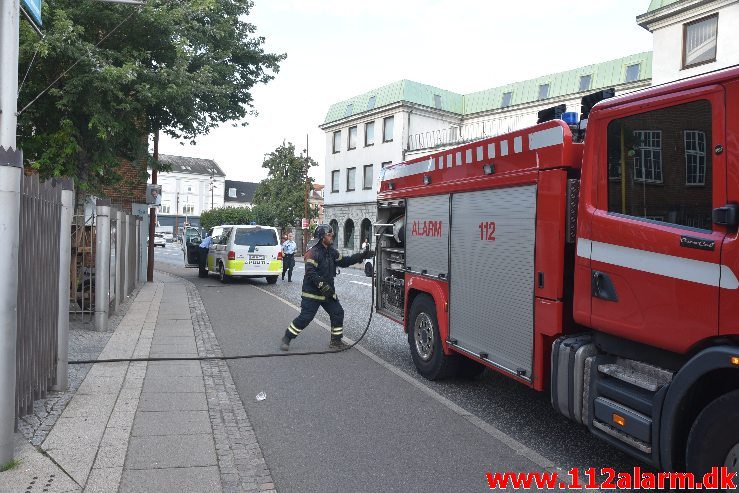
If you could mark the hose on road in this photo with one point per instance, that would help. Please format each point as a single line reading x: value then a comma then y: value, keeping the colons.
x: 242, y: 356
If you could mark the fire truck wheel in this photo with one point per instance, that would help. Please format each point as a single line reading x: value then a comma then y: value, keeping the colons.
x: 714, y: 437
x: 425, y: 341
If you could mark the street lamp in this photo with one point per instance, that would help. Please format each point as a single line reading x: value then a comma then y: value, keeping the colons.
x: 212, y: 188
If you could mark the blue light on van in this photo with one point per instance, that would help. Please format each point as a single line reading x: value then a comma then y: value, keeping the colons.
x: 570, y: 117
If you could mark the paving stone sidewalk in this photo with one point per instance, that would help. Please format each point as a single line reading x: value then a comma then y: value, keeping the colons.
x: 149, y: 426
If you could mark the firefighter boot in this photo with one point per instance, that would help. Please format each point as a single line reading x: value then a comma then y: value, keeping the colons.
x: 337, y: 343
x: 285, y: 345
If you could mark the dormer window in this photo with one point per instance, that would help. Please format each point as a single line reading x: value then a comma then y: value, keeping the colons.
x: 699, y: 41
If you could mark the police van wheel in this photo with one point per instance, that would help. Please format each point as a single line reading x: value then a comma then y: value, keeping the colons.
x: 425, y: 341
x: 271, y: 279
x: 714, y: 436
x: 224, y: 278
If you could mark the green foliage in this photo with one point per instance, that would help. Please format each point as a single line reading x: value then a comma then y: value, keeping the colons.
x: 280, y: 198
x: 226, y: 215
x: 179, y: 67
x: 11, y: 464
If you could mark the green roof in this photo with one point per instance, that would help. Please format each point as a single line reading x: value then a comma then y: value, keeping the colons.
x: 403, y: 90
x: 658, y: 4
x: 603, y: 75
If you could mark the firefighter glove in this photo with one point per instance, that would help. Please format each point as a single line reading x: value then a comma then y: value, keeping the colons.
x: 326, y: 289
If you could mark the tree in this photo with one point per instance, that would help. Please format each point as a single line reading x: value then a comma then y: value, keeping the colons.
x: 179, y: 67
x: 226, y: 215
x: 281, y: 196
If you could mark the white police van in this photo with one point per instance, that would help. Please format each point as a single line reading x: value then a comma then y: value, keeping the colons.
x: 245, y: 250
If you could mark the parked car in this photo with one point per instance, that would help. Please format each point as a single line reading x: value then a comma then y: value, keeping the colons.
x: 168, y: 237
x: 245, y: 251
x: 159, y: 240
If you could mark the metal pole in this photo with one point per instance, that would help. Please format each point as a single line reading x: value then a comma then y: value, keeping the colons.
x: 102, y: 264
x: 65, y: 259
x: 119, y: 242
x: 307, y: 195
x: 11, y: 162
x: 153, y: 213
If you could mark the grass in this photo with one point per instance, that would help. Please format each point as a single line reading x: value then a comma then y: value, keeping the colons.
x: 11, y: 464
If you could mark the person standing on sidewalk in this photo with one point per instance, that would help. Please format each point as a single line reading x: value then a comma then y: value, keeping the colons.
x: 288, y: 257
x: 203, y: 254
x: 318, y: 287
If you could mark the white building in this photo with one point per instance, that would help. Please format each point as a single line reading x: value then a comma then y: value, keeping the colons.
x: 406, y: 119
x: 191, y: 187
x: 691, y: 36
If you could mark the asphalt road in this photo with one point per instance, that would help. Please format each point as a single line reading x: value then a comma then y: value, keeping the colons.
x: 524, y: 415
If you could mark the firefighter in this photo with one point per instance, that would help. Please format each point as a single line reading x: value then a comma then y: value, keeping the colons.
x: 318, y: 287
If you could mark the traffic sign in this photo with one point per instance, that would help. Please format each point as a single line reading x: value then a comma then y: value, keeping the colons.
x: 304, y: 223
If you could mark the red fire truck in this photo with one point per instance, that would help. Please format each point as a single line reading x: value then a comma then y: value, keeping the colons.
x: 601, y: 269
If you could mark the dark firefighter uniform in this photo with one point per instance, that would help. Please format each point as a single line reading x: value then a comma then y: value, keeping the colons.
x: 318, y: 288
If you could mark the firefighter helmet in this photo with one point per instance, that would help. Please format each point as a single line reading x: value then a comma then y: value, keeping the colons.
x: 322, y: 230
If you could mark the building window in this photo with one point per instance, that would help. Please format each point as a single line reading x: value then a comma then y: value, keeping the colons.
x: 335, y: 181
x: 699, y: 41
x: 632, y: 72
x: 543, y: 91
x: 387, y: 129
x: 349, y: 234
x: 349, y: 110
x: 189, y: 189
x: 386, y: 164
x: 648, y: 163
x: 437, y: 101
x: 351, y: 177
x: 506, y: 101
x: 335, y: 227
x: 695, y: 157
x: 232, y: 193
x: 369, y: 134
x: 371, y: 103
x: 337, y: 141
x: 164, y: 209
x: 585, y: 82
x: 365, y: 232
x: 664, y: 173
x: 351, y: 142
x: 368, y: 177
x: 188, y: 209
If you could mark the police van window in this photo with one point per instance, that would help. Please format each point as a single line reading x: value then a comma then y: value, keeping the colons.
x: 658, y: 165
x: 223, y: 239
x: 255, y: 237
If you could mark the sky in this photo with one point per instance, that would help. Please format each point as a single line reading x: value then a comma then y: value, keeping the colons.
x: 337, y: 49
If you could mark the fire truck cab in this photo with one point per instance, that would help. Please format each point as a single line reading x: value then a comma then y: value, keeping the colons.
x: 601, y: 269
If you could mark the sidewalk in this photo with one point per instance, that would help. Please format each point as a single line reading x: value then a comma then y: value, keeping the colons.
x: 158, y: 426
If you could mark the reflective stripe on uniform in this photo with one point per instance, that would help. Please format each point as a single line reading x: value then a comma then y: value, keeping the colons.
x: 313, y: 296
x: 335, y: 331
x: 294, y: 330
x: 339, y: 257
x: 311, y: 261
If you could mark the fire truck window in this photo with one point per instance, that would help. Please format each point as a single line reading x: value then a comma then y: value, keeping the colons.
x: 659, y: 167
